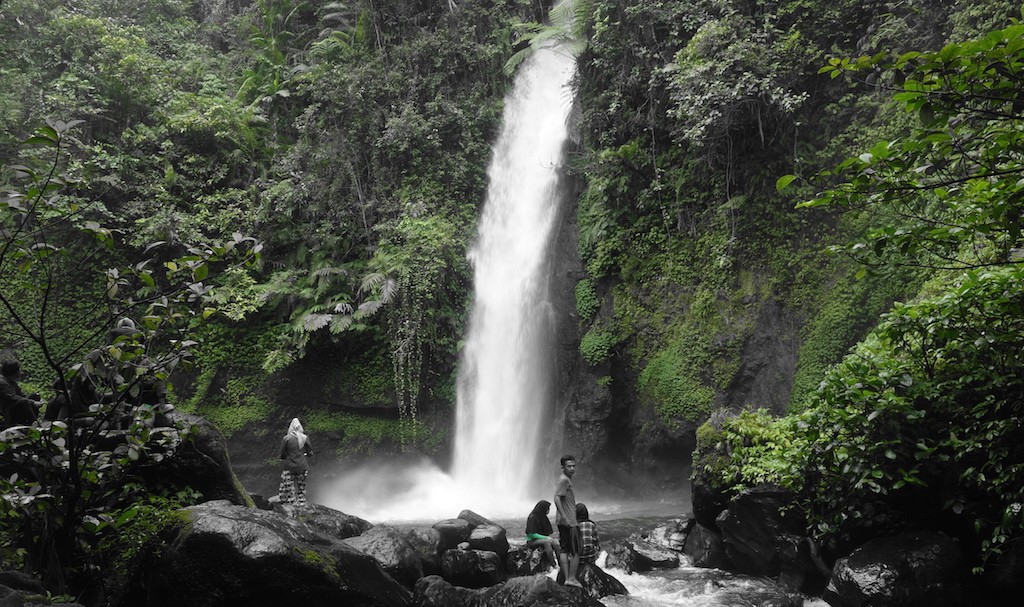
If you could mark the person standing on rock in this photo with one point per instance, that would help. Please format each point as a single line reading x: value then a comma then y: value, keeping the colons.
x: 295, y: 448
x: 568, y: 527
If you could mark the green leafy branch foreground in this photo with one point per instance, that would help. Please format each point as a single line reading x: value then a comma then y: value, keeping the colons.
x: 920, y: 425
x: 69, y: 482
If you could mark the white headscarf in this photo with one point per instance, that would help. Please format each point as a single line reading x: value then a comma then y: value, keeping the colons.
x: 295, y: 428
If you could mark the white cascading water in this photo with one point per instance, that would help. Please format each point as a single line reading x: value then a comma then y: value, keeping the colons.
x: 504, y: 382
x: 504, y: 406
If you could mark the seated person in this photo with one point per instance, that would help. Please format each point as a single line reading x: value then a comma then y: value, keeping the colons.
x: 591, y: 546
x: 538, y: 531
x: 16, y: 409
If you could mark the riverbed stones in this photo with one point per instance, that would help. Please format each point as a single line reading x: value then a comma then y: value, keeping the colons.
x: 392, y: 550
x: 705, y: 548
x: 472, y: 568
x: 763, y: 536
x: 537, y: 591
x: 334, y: 523
x: 672, y: 534
x: 597, y: 582
x: 200, y: 462
x: 222, y: 554
x: 426, y: 542
x: 435, y: 591
x: 920, y: 569
x: 524, y: 560
x: 489, y: 537
x: 454, y: 531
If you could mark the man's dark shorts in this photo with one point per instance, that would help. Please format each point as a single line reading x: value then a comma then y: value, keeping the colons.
x: 569, y: 539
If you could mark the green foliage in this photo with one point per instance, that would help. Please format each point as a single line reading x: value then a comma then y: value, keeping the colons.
x: 597, y: 345
x: 671, y: 384
x: 363, y: 435
x: 919, y: 421
x: 587, y: 302
x: 64, y: 476
x: 953, y: 182
x: 138, y: 534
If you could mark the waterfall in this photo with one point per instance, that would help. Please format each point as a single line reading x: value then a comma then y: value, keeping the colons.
x: 505, y: 390
x: 505, y: 381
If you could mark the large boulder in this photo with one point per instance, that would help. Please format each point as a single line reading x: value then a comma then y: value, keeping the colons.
x: 475, y: 519
x: 523, y: 560
x: 435, y: 591
x: 454, y: 531
x: 491, y: 538
x: 705, y: 548
x: 639, y: 555
x: 392, y: 550
x: 708, y: 503
x: 653, y: 556
x: 472, y: 568
x: 332, y: 522
x: 201, y: 462
x: 537, y: 591
x: 1006, y: 577
x: 921, y: 569
x: 224, y: 554
x: 764, y: 536
x: 597, y: 582
x: 426, y: 542
x: 672, y: 534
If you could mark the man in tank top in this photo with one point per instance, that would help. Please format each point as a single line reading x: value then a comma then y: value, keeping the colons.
x: 568, y: 527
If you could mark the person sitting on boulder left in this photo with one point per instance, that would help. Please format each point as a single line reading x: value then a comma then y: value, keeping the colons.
x: 590, y: 547
x: 295, y: 448
x: 16, y: 408
x: 538, y: 531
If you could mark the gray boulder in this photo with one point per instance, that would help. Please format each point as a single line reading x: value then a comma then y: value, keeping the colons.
x: 392, y: 550
x: 491, y: 538
x: 454, y: 531
x: 224, y: 554
x: 640, y: 555
x: 201, y: 462
x: 472, y: 568
x: 909, y: 570
x: 537, y: 591
x: 653, y: 556
x: 597, y: 582
x: 329, y: 521
x: 434, y: 591
x: 764, y: 536
x: 475, y: 519
x: 705, y: 548
x: 672, y: 534
x: 523, y: 560
x: 426, y: 542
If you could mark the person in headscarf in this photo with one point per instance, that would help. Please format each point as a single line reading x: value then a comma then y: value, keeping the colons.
x: 295, y: 448
x: 538, y: 531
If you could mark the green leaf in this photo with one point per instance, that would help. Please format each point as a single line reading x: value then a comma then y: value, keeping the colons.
x: 783, y: 182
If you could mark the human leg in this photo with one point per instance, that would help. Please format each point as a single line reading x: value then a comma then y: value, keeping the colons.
x: 284, y: 490
x: 300, y: 488
x: 576, y: 543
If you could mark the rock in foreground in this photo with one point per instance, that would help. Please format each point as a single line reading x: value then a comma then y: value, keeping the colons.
x: 231, y: 555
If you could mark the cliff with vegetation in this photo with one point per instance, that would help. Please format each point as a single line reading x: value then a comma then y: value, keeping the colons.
x: 350, y: 140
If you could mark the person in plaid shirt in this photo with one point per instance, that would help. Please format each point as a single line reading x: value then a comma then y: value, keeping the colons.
x: 591, y: 544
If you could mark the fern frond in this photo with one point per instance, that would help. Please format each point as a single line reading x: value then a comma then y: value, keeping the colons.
x: 315, y: 322
x: 372, y: 281
x: 340, y: 322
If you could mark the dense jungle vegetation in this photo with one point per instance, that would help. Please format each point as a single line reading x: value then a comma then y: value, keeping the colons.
x: 287, y: 184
